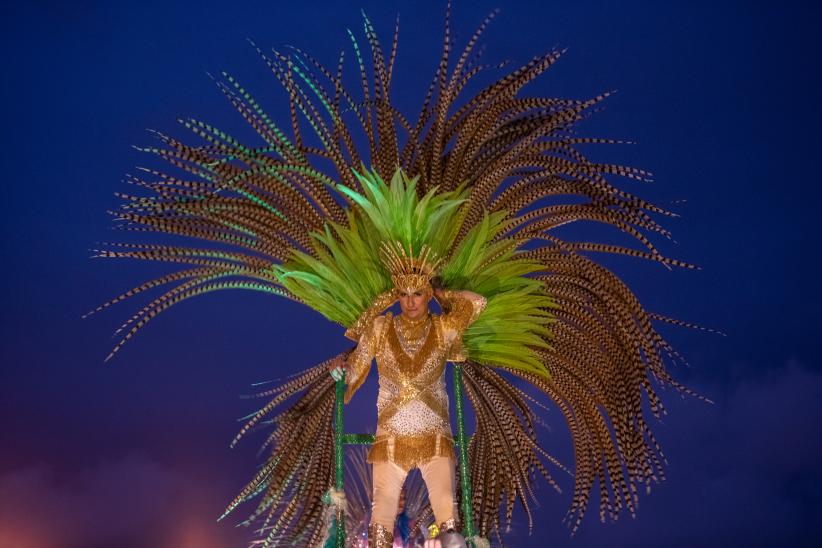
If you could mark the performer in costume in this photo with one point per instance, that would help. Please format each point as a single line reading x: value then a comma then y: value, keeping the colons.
x: 411, y: 349
x: 482, y: 182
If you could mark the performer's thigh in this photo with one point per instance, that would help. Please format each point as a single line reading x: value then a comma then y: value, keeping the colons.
x: 439, y: 477
x: 388, y: 480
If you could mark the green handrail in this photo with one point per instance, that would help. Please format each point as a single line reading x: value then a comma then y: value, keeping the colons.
x: 465, y: 471
x: 338, y: 457
x: 341, y: 439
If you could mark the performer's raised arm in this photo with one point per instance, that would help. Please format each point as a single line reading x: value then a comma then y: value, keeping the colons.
x: 381, y: 302
x: 460, y: 307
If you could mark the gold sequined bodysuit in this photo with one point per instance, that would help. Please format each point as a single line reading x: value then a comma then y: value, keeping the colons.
x: 412, y: 405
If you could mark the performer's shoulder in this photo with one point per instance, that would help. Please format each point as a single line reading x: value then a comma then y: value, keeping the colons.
x: 380, y: 320
x: 379, y: 323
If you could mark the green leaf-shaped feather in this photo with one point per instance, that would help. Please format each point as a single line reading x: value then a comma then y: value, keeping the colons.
x: 346, y: 274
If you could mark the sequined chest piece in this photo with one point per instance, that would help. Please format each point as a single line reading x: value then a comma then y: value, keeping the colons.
x: 412, y: 406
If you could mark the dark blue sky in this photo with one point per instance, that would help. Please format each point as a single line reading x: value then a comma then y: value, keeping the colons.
x: 721, y: 98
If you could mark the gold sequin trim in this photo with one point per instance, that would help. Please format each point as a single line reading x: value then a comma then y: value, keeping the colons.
x: 408, y: 452
x: 410, y: 366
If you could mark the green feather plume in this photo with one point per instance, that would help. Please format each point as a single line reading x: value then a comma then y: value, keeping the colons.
x: 345, y: 275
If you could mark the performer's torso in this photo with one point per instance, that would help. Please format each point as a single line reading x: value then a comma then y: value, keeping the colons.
x: 412, y: 405
x: 412, y: 398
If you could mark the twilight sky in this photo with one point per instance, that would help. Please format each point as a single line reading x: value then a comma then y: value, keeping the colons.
x: 722, y: 100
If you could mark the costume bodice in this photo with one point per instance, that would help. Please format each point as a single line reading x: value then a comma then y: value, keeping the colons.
x: 412, y: 399
x: 412, y: 404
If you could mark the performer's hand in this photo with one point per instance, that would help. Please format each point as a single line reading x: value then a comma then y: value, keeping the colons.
x: 338, y: 372
x: 432, y: 543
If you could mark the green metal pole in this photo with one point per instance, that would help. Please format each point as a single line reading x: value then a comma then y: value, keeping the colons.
x: 338, y: 457
x: 465, y: 479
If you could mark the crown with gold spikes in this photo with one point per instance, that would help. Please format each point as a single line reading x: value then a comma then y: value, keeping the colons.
x: 407, y: 271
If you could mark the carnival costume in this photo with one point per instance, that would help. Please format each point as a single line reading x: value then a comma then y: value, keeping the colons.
x: 476, y: 182
x: 413, y: 427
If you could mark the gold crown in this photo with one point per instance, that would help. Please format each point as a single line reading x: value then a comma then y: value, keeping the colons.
x: 409, y: 272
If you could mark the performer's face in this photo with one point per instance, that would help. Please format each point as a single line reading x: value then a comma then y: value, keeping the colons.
x: 414, y: 302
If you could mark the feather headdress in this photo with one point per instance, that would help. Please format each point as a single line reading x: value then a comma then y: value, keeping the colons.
x: 409, y: 272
